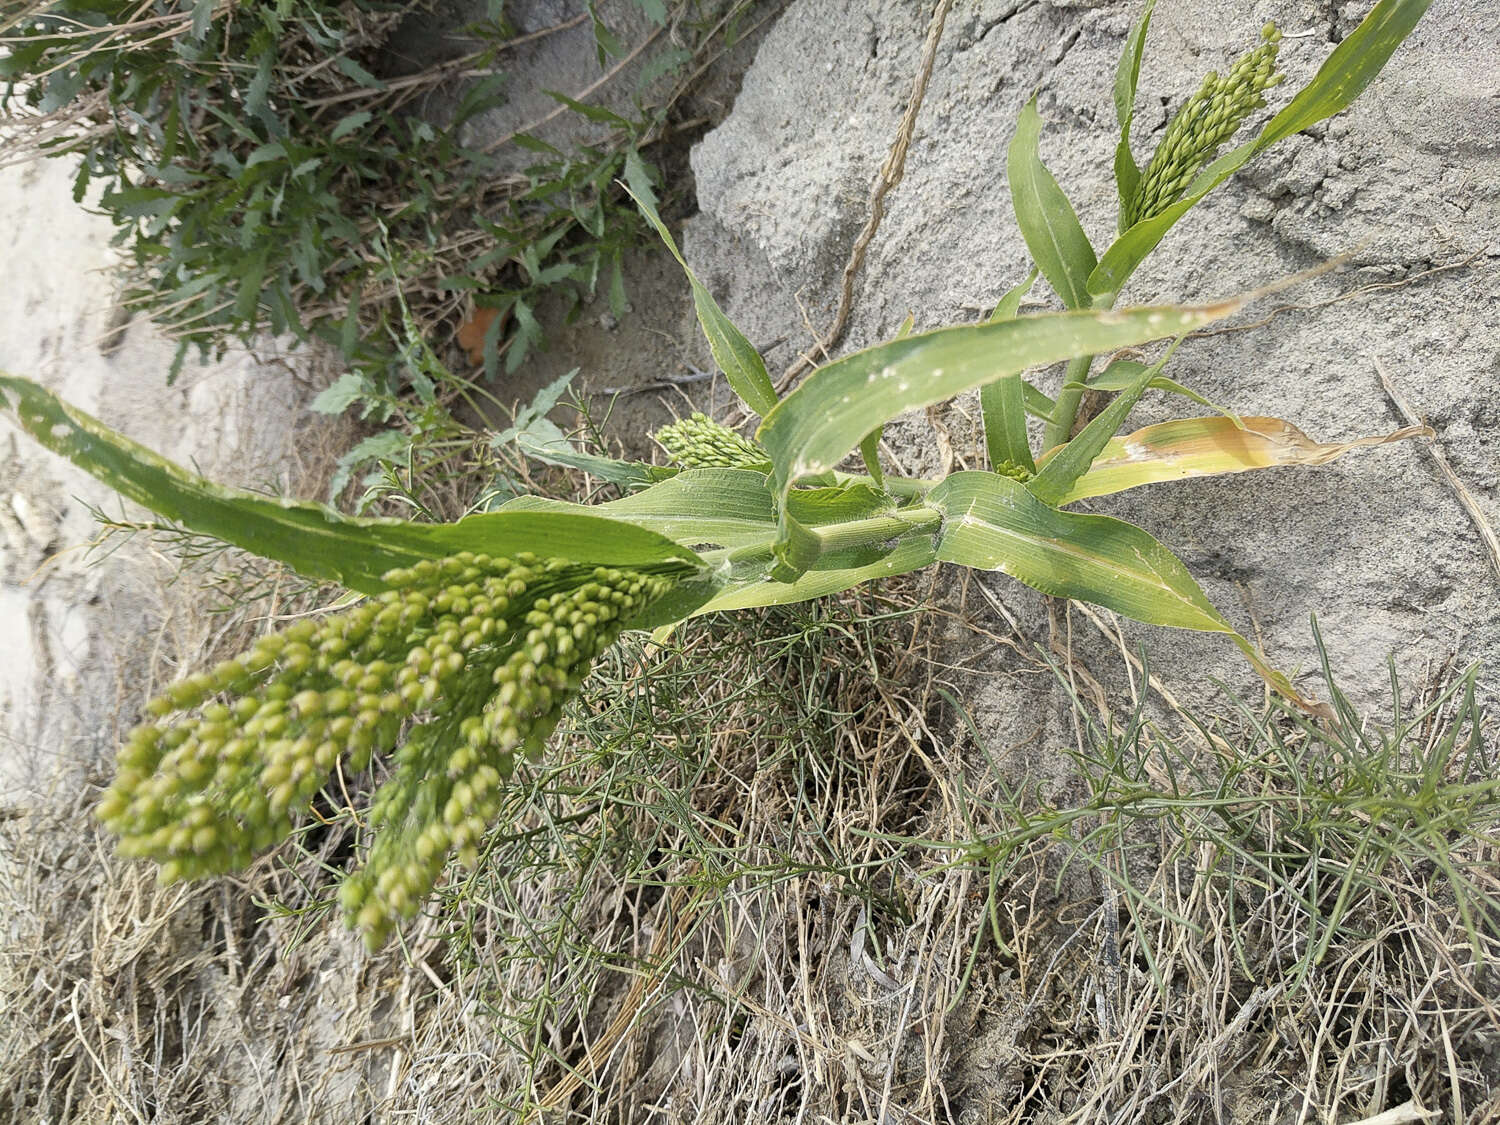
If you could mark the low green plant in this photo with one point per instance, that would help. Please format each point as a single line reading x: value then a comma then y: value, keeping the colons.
x: 265, y: 169
x: 1323, y: 824
x: 737, y: 525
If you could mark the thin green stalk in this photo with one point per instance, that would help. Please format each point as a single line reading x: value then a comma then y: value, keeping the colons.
x: 1065, y: 412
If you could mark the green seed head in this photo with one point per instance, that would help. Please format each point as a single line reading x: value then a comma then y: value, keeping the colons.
x: 1201, y: 127
x: 1014, y: 471
x: 697, y: 442
x: 476, y: 656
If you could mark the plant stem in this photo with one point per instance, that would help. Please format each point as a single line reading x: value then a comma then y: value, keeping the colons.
x: 1065, y: 411
x: 880, y: 529
x: 841, y: 537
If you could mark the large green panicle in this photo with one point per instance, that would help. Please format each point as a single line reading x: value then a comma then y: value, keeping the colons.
x: 698, y: 442
x: 479, y: 653
x: 1205, y: 121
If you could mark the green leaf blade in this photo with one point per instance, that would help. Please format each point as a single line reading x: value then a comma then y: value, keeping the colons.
x: 736, y: 356
x: 1047, y: 220
x: 1072, y: 460
x: 1127, y: 173
x: 813, y: 428
x: 995, y: 523
x: 1003, y: 404
x: 1345, y: 74
x: 313, y: 539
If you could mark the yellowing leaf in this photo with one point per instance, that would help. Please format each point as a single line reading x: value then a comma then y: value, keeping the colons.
x: 1202, y: 447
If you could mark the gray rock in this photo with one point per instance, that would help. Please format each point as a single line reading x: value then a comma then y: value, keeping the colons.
x: 1375, y: 544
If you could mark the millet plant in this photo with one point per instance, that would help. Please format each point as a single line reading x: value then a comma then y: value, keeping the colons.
x: 473, y: 635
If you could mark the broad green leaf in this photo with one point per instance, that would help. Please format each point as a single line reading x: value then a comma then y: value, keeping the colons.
x: 1048, y: 223
x: 1127, y: 173
x: 1123, y: 372
x: 1002, y: 404
x: 1343, y: 77
x: 1073, y: 459
x: 752, y: 586
x: 1202, y: 447
x: 736, y: 356
x: 717, y: 507
x: 814, y: 427
x: 727, y: 508
x: 313, y: 539
x: 732, y: 508
x: 1004, y: 407
x: 994, y: 523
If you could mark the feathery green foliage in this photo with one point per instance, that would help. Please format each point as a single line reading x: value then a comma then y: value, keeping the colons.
x: 266, y: 169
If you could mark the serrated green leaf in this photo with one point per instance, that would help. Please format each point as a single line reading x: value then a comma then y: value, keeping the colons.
x: 359, y: 74
x: 387, y: 445
x: 313, y: 539
x: 342, y: 393
x: 1047, y: 220
x: 1343, y: 77
x: 736, y: 356
x: 349, y: 123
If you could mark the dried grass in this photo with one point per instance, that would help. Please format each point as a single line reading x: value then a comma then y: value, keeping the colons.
x: 767, y: 878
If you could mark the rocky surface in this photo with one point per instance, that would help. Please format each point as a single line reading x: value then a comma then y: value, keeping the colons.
x: 1376, y: 544
x: 80, y: 629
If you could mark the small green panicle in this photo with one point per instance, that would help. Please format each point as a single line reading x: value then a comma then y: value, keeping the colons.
x: 1015, y: 472
x: 478, y: 654
x: 1205, y: 121
x: 698, y: 442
